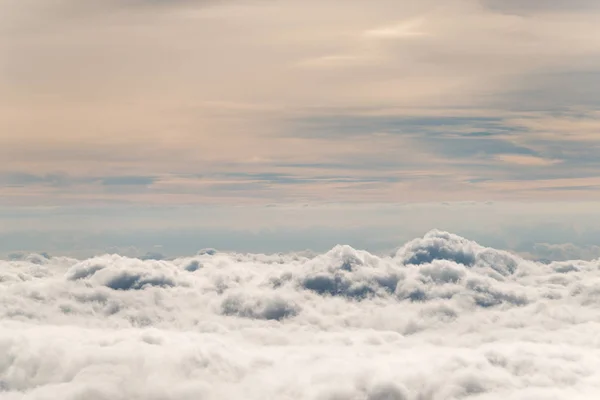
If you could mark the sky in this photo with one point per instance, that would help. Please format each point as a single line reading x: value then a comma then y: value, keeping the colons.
x: 168, y: 126
x: 299, y: 199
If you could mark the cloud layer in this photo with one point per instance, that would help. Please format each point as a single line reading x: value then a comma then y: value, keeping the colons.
x: 381, y: 101
x: 441, y: 318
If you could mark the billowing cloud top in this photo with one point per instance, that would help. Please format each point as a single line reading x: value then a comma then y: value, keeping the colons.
x: 441, y: 318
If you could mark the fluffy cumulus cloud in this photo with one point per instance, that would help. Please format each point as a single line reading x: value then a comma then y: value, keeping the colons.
x: 441, y: 318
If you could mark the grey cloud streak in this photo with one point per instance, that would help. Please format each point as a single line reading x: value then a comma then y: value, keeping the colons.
x: 539, y: 6
x: 441, y: 318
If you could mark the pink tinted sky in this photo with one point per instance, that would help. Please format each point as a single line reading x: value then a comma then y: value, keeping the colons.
x: 251, y: 103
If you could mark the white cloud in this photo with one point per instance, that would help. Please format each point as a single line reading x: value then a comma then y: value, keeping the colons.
x: 443, y: 318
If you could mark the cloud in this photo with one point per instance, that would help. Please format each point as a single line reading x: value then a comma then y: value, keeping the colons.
x: 564, y: 251
x: 21, y: 179
x: 413, y: 86
x: 405, y: 29
x: 273, y: 308
x: 539, y: 6
x: 128, y: 180
x: 525, y: 160
x: 443, y: 317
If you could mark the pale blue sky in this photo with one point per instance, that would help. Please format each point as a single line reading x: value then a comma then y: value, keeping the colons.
x: 536, y: 230
x: 110, y: 109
